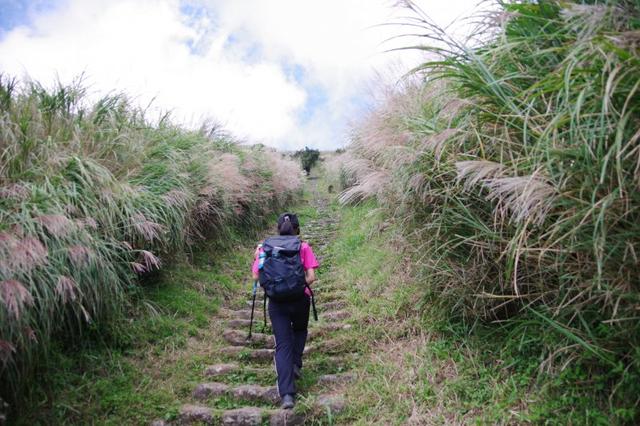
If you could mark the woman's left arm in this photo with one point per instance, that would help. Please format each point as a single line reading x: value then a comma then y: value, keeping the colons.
x: 310, y: 263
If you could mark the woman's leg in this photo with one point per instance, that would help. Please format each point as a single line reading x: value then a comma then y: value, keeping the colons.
x: 280, y: 315
x: 300, y: 322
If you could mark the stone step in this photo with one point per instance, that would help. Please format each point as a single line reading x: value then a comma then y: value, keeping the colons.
x: 322, y: 328
x: 245, y: 416
x: 218, y: 370
x: 244, y: 323
x: 238, y: 314
x: 330, y: 306
x: 335, y: 315
x: 221, y: 369
x: 249, y: 393
x: 190, y: 413
x: 240, y: 338
x: 322, y: 307
x: 329, y: 347
x: 337, y: 363
x: 325, y: 295
x: 315, y: 328
x: 335, y: 403
x: 339, y: 345
x: 245, y: 352
x: 286, y: 418
x: 336, y: 379
x: 255, y: 416
x: 245, y: 314
x: 329, y: 286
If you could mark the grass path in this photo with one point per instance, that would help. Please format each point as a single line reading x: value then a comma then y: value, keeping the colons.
x: 237, y: 385
x: 189, y: 318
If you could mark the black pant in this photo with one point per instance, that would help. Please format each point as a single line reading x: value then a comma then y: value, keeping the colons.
x: 289, y: 321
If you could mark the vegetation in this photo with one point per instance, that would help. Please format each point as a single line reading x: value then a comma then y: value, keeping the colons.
x: 150, y: 358
x: 95, y: 196
x: 513, y: 166
x: 494, y: 233
x: 308, y: 158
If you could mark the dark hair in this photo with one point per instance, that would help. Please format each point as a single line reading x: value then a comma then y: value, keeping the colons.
x: 288, y: 224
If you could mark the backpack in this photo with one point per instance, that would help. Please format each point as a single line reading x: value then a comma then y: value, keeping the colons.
x: 282, y: 274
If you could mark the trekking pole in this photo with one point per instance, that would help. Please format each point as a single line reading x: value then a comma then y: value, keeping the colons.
x: 253, y: 306
x: 313, y: 302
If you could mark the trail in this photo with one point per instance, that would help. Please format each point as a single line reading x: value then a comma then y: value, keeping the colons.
x: 238, y: 386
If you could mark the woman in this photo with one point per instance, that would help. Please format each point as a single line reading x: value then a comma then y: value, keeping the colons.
x: 289, y: 319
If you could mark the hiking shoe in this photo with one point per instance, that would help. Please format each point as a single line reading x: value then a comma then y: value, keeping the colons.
x: 297, y: 372
x: 287, y: 402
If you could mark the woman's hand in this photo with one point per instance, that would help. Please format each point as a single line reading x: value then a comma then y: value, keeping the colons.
x: 310, y: 276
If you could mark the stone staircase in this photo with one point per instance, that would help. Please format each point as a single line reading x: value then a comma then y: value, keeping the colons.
x: 240, y: 389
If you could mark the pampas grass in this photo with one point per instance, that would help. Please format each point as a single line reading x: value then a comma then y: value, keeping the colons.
x: 523, y: 173
x: 93, y: 195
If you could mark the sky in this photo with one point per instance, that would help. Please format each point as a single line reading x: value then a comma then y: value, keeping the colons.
x: 286, y: 73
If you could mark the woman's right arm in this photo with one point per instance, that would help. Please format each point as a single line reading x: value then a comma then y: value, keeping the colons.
x: 310, y: 276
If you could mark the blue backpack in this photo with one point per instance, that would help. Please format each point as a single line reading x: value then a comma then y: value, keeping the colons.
x: 282, y: 274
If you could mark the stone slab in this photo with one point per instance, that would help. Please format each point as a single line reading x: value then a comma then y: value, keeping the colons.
x: 286, y: 418
x: 195, y: 413
x: 336, y: 379
x: 220, y: 369
x: 207, y: 390
x: 247, y: 416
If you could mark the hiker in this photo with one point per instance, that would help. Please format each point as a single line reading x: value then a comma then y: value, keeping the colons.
x: 286, y: 259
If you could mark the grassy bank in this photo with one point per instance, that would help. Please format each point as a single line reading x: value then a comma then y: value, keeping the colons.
x: 512, y: 166
x: 96, y: 197
x: 417, y: 366
x: 146, y: 364
x: 140, y: 366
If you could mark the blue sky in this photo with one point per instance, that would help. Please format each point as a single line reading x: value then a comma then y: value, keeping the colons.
x: 18, y: 12
x: 288, y: 73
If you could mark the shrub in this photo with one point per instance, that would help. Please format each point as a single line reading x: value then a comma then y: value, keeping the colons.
x: 516, y: 162
x: 308, y: 158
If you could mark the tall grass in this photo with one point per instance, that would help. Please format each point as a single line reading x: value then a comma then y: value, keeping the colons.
x: 516, y: 165
x: 93, y: 195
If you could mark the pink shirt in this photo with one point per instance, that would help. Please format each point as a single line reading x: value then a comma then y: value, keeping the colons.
x: 307, y: 258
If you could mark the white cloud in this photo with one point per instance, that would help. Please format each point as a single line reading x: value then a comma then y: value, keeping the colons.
x: 231, y: 62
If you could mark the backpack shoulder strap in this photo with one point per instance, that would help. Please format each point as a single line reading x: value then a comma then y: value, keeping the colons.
x: 264, y: 311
